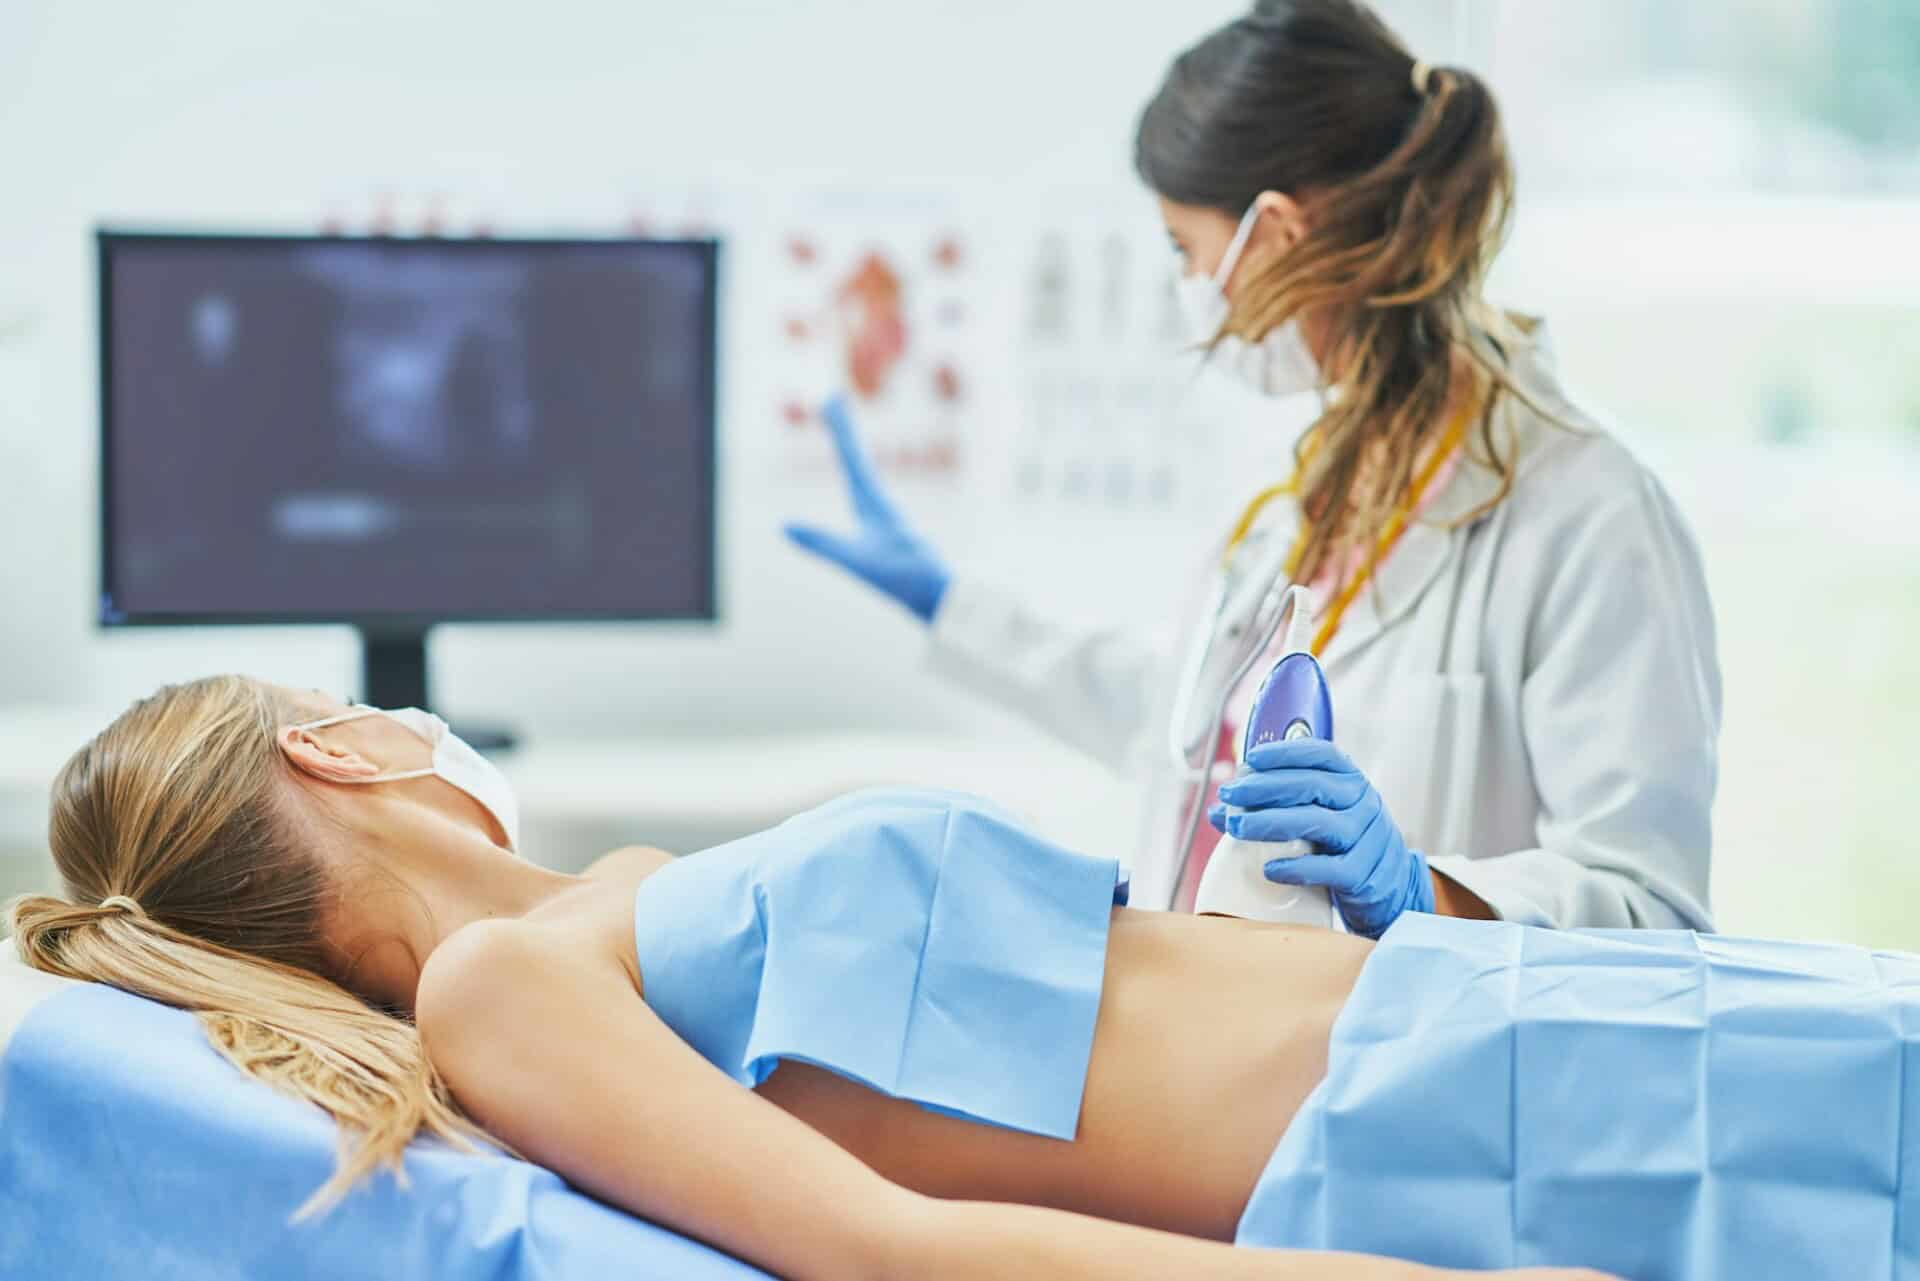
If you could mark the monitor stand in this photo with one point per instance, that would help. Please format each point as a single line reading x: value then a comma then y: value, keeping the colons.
x: 393, y: 673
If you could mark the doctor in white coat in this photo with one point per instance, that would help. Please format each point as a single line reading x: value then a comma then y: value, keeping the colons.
x: 1511, y: 613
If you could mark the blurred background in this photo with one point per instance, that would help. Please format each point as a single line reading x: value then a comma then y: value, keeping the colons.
x: 1719, y: 215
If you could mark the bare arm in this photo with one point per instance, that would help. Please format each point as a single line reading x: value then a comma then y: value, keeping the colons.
x: 1451, y: 898
x: 590, y: 1083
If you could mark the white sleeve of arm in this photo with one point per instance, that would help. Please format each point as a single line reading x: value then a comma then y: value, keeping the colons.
x: 1094, y: 688
x: 1620, y: 711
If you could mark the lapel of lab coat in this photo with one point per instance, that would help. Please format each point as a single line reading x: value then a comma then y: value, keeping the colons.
x: 1430, y: 542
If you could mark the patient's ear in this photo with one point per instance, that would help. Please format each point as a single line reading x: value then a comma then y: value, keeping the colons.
x: 330, y: 762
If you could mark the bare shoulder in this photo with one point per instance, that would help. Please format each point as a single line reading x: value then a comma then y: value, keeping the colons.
x: 466, y: 968
x: 495, y: 970
x: 628, y: 865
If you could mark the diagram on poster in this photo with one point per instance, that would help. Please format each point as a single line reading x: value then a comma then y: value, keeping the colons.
x: 884, y: 310
x: 1116, y: 411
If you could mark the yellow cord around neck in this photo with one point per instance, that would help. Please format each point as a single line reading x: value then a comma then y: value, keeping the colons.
x: 1450, y: 440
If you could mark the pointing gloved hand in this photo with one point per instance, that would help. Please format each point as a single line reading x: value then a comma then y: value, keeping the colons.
x: 881, y: 550
x: 1305, y: 789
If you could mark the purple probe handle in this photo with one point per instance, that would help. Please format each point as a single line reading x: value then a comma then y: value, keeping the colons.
x: 1292, y: 703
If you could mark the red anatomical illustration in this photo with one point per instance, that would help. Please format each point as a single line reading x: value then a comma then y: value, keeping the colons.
x: 870, y: 305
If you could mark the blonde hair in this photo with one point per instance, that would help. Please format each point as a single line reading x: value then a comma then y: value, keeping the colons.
x: 1405, y: 173
x: 192, y: 878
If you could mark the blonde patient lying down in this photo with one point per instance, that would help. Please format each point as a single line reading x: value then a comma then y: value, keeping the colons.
x: 896, y: 1037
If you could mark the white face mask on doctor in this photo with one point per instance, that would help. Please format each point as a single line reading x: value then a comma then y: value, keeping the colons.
x: 1280, y: 364
x: 454, y: 760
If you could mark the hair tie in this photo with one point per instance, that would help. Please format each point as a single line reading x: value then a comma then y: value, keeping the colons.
x: 1421, y: 74
x: 122, y: 904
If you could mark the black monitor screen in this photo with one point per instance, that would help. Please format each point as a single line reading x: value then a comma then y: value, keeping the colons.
x: 346, y: 429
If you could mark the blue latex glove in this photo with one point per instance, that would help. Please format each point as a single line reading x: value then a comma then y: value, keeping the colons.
x: 1305, y: 789
x: 882, y: 550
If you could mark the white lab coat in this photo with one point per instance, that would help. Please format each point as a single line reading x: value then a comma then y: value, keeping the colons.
x: 1535, y: 694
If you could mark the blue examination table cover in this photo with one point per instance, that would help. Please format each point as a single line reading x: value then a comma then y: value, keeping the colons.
x: 129, y: 1148
x: 1658, y: 1105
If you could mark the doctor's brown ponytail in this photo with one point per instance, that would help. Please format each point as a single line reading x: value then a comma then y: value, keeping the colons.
x: 1403, y: 174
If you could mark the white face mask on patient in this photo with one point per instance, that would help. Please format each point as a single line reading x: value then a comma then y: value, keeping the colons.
x: 454, y: 760
x: 1280, y: 364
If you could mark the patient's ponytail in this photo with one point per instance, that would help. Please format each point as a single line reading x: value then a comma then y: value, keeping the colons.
x: 193, y: 880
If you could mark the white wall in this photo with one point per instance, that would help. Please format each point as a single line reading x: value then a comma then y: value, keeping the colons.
x: 231, y: 113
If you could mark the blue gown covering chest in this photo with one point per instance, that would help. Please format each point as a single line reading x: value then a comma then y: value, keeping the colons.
x: 920, y: 942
